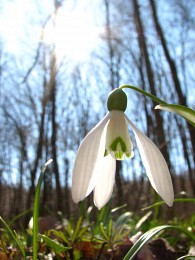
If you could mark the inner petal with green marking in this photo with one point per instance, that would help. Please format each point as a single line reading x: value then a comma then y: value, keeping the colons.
x: 118, y: 145
x: 118, y: 148
x: 118, y: 142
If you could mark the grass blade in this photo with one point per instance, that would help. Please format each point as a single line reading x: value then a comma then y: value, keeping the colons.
x: 163, y: 203
x: 14, y: 237
x: 148, y: 235
x: 57, y: 247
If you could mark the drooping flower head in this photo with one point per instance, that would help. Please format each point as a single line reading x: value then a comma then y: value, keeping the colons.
x: 118, y: 142
x: 108, y: 141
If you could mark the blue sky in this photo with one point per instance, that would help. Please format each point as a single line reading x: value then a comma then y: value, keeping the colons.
x: 77, y: 34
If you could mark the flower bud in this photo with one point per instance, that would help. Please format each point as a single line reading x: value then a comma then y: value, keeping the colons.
x: 117, y: 100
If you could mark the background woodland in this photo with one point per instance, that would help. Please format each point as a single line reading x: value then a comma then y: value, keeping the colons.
x: 47, y: 107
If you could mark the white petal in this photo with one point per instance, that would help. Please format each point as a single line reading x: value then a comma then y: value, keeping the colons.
x: 91, y: 148
x: 118, y: 140
x: 155, y: 165
x: 106, y: 179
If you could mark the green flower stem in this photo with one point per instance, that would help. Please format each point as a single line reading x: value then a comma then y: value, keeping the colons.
x: 158, y: 100
x: 187, y: 113
x: 36, y: 210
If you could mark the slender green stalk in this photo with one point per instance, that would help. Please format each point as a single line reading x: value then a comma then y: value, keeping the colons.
x: 158, y: 100
x: 175, y: 200
x: 19, y: 216
x: 186, y: 112
x: 36, y: 211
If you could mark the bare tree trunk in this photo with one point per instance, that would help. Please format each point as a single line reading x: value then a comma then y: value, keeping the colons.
x: 23, y: 159
x: 173, y: 69
x: 53, y: 95
x: 110, y: 45
x: 114, y: 82
x: 143, y: 47
x: 33, y: 171
x: 186, y: 156
x: 67, y: 197
x: 46, y: 202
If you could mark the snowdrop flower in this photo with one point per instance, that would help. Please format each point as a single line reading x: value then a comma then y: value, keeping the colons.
x: 108, y: 141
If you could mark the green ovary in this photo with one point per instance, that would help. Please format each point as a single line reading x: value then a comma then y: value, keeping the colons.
x: 117, y: 100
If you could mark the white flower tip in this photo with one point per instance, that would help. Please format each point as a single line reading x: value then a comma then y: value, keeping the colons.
x: 48, y: 162
x: 169, y: 202
x: 76, y: 197
x: 168, y: 197
x: 98, y: 207
x: 158, y: 107
x: 101, y: 201
x: 100, y: 204
x: 75, y: 200
x: 30, y: 224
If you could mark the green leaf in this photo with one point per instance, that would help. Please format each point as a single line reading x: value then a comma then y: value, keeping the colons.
x: 120, y: 233
x: 104, y: 214
x: 62, y: 236
x: 185, y: 112
x: 19, y: 216
x: 148, y: 235
x: 106, y: 237
x: 110, y: 228
x: 123, y: 218
x: 57, y: 248
x: 77, y: 230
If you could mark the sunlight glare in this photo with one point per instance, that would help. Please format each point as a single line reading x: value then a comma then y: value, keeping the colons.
x: 74, y: 34
x: 13, y: 18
